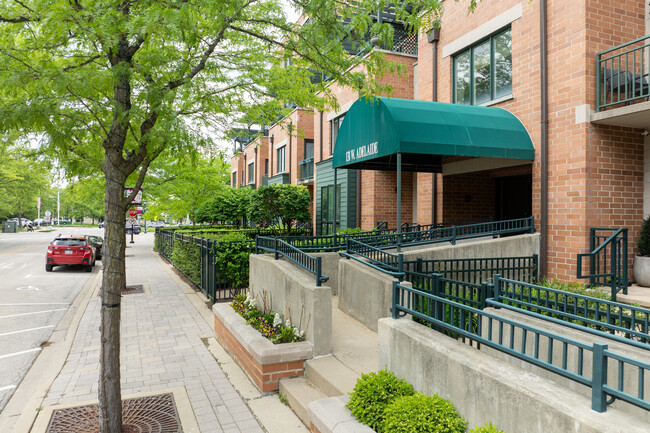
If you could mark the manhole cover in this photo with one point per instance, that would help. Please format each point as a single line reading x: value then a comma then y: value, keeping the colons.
x: 155, y: 414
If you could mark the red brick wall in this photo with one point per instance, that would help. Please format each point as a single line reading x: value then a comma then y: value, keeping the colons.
x: 265, y: 377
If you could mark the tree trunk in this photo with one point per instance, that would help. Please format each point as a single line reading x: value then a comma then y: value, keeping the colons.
x: 113, y: 281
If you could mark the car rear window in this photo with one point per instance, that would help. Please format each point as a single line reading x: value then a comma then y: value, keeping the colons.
x: 70, y: 242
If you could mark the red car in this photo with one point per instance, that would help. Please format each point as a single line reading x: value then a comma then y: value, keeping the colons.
x: 70, y: 250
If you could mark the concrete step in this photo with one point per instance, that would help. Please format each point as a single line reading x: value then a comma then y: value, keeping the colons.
x: 299, y: 392
x: 635, y: 295
x: 331, y: 376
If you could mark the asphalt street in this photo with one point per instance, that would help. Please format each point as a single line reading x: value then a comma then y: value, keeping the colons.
x: 32, y: 301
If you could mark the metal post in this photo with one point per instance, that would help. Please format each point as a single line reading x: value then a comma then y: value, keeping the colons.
x: 275, y: 249
x: 599, y: 378
x: 453, y: 235
x: 612, y: 270
x: 483, y: 295
x: 400, y: 266
x: 131, y: 234
x: 497, y: 287
x: 535, y: 267
x: 399, y: 202
x: 318, y: 270
x: 395, y: 299
x: 335, y: 204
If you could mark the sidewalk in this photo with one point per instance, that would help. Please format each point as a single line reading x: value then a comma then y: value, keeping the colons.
x: 168, y: 346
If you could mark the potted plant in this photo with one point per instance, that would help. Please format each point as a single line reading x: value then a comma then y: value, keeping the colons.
x: 642, y: 260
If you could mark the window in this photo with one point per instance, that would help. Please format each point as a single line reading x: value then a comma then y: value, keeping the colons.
x: 327, y: 209
x: 266, y: 167
x: 234, y: 179
x: 309, y: 149
x: 251, y: 173
x: 281, y: 159
x: 335, y: 128
x: 483, y: 72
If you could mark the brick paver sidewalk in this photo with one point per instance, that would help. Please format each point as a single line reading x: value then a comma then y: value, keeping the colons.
x: 161, y: 349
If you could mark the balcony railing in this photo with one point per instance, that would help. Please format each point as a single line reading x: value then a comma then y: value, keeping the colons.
x: 306, y: 169
x: 622, y: 74
x: 265, y: 180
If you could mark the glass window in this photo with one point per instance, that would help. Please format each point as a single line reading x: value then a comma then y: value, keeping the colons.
x: 234, y: 179
x: 483, y: 72
x: 335, y: 128
x: 281, y: 159
x: 266, y: 167
x: 327, y: 209
x: 309, y: 149
x: 251, y: 172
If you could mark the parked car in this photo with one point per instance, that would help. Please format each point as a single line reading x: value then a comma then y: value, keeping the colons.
x: 136, y: 229
x: 155, y: 224
x: 70, y: 250
x: 97, y: 242
x: 40, y: 221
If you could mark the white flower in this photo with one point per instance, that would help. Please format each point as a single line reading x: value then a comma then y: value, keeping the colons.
x: 301, y: 334
x: 250, y: 301
x: 288, y: 322
x: 277, y: 320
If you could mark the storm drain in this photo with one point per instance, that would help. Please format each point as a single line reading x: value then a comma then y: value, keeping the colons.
x: 154, y: 414
x: 132, y: 290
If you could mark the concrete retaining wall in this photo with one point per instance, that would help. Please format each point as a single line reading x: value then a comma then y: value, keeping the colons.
x: 485, y: 389
x: 330, y: 267
x: 511, y: 246
x: 293, y: 292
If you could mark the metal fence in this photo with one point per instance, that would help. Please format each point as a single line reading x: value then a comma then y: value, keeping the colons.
x: 389, y: 263
x: 584, y: 363
x: 220, y: 276
x: 281, y: 248
x: 608, y: 261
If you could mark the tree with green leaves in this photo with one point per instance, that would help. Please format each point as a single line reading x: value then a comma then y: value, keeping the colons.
x: 108, y: 86
x: 227, y: 205
x: 284, y: 203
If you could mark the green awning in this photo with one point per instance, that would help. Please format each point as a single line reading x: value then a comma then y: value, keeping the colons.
x: 423, y: 132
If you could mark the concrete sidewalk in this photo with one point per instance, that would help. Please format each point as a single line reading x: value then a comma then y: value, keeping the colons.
x: 168, y: 346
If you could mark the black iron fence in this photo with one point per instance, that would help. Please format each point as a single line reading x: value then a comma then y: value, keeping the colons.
x: 280, y: 248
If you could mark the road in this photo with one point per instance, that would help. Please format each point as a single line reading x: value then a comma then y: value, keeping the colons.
x: 32, y: 301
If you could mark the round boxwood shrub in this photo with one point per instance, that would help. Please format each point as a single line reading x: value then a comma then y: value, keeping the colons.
x: 372, y: 394
x: 421, y: 413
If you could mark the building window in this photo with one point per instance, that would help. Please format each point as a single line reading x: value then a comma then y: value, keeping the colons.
x: 335, y: 128
x: 483, y: 72
x: 266, y: 167
x: 234, y: 179
x: 309, y: 149
x: 251, y: 173
x: 281, y: 159
x: 327, y: 209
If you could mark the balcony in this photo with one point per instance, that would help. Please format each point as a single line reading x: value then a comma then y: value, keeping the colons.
x: 306, y: 170
x: 279, y: 179
x: 265, y: 180
x: 622, y: 91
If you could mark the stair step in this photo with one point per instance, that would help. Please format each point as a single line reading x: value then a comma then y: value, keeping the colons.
x: 299, y: 392
x: 331, y: 376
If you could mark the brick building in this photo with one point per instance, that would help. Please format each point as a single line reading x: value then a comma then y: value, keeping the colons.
x: 539, y: 60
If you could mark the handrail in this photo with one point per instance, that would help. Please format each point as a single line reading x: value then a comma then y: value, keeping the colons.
x: 615, y: 267
x: 584, y: 311
x: 389, y: 263
x: 281, y: 248
x: 471, y: 323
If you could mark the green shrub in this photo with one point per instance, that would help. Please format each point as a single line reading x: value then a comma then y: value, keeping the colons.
x: 487, y: 428
x: 186, y: 257
x: 231, y: 255
x: 421, y: 413
x: 644, y: 238
x: 372, y: 394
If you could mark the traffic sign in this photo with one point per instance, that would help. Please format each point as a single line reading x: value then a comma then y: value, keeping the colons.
x: 133, y: 212
x: 132, y: 221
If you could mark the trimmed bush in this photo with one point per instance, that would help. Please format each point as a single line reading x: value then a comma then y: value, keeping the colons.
x: 487, y: 428
x: 421, y: 413
x: 372, y: 393
x: 232, y: 258
x: 644, y: 238
x: 186, y: 257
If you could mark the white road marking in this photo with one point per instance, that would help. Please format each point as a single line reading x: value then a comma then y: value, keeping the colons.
x: 7, y: 388
x: 36, y: 349
x: 26, y: 330
x: 34, y: 303
x: 29, y: 288
x: 33, y: 312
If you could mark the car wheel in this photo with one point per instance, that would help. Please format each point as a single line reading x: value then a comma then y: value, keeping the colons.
x: 89, y: 268
x: 48, y: 268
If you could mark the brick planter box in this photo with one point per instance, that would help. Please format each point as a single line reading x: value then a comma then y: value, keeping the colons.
x: 264, y: 362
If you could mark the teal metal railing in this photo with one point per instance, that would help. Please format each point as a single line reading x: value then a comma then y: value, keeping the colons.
x: 608, y: 260
x: 622, y: 73
x: 281, y: 248
x: 623, y: 322
x: 306, y: 169
x: 584, y: 363
x: 389, y: 263
x: 478, y: 270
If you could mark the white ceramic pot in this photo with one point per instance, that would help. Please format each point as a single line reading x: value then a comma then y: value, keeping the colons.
x: 642, y: 270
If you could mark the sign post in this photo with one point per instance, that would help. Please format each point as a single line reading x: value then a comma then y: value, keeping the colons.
x: 132, y: 214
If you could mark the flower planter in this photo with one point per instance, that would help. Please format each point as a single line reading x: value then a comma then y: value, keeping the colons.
x: 642, y: 270
x: 265, y: 363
